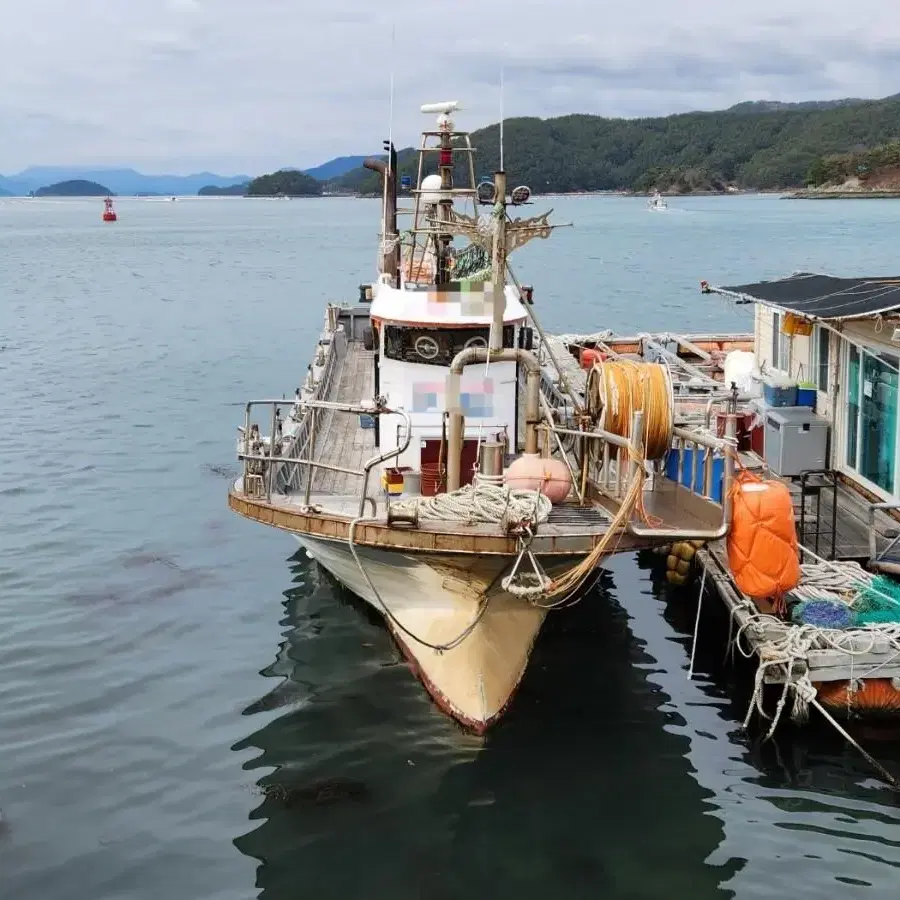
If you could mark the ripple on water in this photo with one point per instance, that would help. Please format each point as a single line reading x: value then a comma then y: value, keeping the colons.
x: 136, y: 614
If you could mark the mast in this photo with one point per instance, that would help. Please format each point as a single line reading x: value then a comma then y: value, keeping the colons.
x: 498, y: 261
x: 445, y: 204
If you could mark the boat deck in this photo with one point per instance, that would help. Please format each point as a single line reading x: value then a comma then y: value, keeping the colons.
x: 341, y: 441
x: 673, y: 506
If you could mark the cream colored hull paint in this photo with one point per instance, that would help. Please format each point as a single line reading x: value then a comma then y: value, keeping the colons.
x: 432, y: 600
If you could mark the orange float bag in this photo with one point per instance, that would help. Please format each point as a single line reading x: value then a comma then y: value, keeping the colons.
x: 762, y: 541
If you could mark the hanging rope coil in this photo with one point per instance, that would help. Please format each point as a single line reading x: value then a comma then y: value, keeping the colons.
x: 618, y: 388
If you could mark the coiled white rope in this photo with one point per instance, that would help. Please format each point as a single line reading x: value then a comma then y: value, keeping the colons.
x: 819, y: 581
x: 487, y: 503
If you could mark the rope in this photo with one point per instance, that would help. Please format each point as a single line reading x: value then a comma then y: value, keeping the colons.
x: 617, y: 388
x: 793, y: 645
x: 487, y: 503
x: 438, y: 648
x: 697, y: 624
x: 574, y: 578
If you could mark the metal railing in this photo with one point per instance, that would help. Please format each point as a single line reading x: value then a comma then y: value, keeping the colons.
x: 885, y: 560
x: 301, y: 428
x: 610, y: 469
x: 261, y: 468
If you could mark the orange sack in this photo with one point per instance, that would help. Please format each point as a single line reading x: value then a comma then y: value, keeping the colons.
x: 762, y: 541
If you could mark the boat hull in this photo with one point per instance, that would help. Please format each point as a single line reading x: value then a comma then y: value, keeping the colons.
x: 430, y: 601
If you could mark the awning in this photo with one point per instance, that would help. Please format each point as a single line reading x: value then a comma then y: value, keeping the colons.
x: 821, y: 296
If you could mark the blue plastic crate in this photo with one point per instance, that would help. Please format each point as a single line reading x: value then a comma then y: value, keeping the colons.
x: 366, y: 421
x: 806, y: 397
x: 779, y: 394
x: 718, y: 472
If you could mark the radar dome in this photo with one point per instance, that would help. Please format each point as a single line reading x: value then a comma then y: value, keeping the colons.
x: 431, y: 188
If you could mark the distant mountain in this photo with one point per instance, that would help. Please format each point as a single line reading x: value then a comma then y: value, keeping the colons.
x: 336, y: 167
x: 119, y: 181
x: 751, y: 107
x: 5, y: 193
x: 754, y: 146
x: 75, y: 188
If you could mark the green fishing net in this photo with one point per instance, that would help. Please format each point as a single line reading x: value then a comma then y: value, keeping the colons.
x: 472, y: 260
x: 878, y: 602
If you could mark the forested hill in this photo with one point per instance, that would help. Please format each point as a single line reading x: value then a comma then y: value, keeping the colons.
x: 753, y: 146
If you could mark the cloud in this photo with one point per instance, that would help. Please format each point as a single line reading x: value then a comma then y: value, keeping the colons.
x: 251, y: 85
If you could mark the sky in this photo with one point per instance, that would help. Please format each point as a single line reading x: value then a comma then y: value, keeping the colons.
x: 249, y: 86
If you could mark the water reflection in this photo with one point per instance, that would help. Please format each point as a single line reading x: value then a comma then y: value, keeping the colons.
x: 802, y: 810
x: 584, y: 790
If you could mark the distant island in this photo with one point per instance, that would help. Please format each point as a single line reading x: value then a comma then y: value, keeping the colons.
x: 285, y: 183
x: 751, y: 146
x: 219, y: 190
x: 76, y: 188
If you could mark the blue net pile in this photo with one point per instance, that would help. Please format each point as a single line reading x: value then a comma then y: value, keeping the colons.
x: 877, y: 603
x: 822, y: 614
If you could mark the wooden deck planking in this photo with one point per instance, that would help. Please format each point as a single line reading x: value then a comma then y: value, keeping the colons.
x: 852, y: 528
x: 342, y: 441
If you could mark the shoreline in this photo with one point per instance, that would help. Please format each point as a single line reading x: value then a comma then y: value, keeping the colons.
x: 843, y: 195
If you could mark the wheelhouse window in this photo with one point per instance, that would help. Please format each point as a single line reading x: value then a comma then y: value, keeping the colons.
x: 436, y: 346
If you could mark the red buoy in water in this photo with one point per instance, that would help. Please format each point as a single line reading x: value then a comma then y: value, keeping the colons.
x: 109, y: 213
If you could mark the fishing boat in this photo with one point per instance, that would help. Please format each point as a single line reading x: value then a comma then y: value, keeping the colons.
x: 453, y: 465
x: 657, y: 202
x: 109, y: 212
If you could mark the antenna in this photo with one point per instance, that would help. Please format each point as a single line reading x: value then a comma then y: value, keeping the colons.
x: 391, y: 114
x: 501, y: 119
x: 389, y: 168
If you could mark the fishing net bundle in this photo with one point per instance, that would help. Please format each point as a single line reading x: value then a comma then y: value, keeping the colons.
x: 877, y: 602
x: 822, y: 613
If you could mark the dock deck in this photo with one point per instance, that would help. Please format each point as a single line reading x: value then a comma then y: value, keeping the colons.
x: 830, y: 656
x: 846, y: 534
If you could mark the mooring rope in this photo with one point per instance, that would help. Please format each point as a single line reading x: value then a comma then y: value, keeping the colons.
x: 438, y: 648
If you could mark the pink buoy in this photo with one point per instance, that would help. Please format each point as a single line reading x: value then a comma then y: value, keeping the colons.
x: 531, y: 472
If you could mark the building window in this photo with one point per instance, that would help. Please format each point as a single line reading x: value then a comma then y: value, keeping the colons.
x: 872, y: 407
x: 819, y: 358
x: 781, y: 346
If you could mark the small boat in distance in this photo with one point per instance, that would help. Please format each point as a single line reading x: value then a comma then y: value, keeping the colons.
x: 657, y: 201
x: 109, y: 212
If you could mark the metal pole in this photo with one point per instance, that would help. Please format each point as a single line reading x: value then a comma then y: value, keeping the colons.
x: 532, y: 409
x: 312, y: 455
x: 271, y: 473
x: 637, y: 442
x: 246, y: 447
x: 455, y: 429
x: 498, y: 263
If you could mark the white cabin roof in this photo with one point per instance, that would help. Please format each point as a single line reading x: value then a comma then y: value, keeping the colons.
x: 453, y: 305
